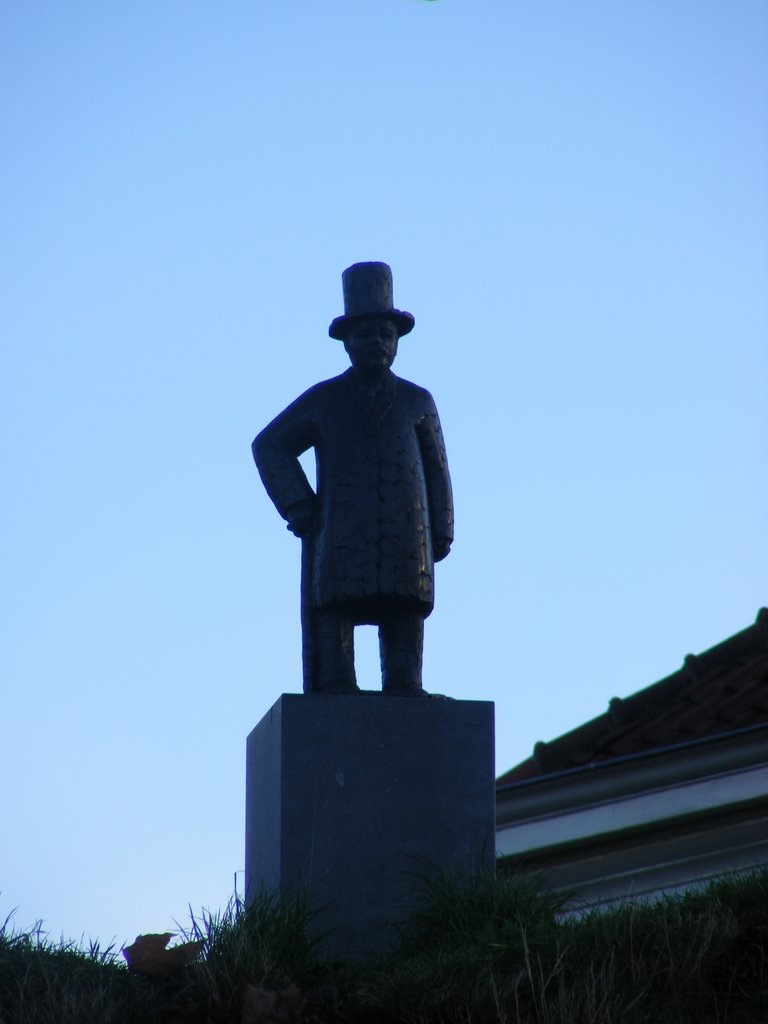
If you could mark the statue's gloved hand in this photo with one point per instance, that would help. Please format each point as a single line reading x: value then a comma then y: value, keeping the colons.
x: 440, y: 548
x: 302, y: 517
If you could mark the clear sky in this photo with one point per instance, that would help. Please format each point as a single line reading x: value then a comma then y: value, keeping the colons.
x: 574, y: 201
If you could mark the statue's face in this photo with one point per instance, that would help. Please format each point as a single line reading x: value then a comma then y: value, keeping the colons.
x: 372, y: 344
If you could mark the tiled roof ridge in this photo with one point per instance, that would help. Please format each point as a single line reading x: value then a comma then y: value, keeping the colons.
x: 626, y: 714
x: 696, y: 666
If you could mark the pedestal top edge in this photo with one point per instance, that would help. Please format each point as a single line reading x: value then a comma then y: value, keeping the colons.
x: 368, y: 695
x: 405, y: 707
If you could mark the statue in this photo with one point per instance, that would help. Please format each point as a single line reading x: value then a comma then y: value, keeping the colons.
x: 383, y: 512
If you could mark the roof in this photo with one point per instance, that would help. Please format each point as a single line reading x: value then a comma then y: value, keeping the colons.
x: 720, y: 691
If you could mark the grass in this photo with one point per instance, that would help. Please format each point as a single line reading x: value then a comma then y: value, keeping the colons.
x: 42, y: 982
x: 500, y: 953
x: 479, y: 952
x: 265, y: 946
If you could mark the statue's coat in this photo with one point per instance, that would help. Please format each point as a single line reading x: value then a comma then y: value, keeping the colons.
x: 383, y: 489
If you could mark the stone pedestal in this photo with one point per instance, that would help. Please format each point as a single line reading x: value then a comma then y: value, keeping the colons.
x: 355, y: 798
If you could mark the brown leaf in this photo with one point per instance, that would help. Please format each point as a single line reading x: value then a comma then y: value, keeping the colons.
x: 148, y: 955
x: 265, y: 1006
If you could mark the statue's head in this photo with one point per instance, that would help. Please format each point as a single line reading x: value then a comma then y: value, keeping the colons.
x: 372, y: 343
x: 368, y: 295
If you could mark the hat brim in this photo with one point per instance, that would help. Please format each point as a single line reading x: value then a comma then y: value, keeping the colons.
x: 342, y: 326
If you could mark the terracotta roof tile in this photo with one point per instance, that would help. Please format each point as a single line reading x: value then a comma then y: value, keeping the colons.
x: 719, y: 691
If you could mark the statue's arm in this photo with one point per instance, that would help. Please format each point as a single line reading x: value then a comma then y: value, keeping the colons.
x: 276, y: 452
x: 438, y: 480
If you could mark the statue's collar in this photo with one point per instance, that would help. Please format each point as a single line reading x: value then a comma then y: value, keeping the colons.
x: 374, y: 402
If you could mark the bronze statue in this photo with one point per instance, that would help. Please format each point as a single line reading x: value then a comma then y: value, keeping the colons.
x: 383, y: 512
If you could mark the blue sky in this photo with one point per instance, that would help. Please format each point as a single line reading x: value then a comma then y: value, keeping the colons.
x: 573, y: 200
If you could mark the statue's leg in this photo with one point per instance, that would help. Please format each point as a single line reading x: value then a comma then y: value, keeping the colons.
x: 308, y: 626
x: 334, y: 653
x: 401, y: 644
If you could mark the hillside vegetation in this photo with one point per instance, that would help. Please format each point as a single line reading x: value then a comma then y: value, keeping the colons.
x: 493, y: 950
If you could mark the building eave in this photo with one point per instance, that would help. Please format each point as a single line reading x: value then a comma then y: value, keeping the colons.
x: 658, y: 789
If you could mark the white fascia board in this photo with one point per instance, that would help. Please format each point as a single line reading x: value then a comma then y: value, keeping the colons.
x: 603, y: 781
x: 653, y: 807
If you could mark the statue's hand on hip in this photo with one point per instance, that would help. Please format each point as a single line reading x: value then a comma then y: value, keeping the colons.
x: 302, y: 517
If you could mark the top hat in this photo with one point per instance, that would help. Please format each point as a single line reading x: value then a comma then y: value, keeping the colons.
x: 368, y: 292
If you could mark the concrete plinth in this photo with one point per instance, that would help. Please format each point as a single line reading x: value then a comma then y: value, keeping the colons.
x: 355, y: 797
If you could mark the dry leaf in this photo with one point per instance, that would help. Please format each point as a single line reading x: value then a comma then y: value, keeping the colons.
x: 148, y: 955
